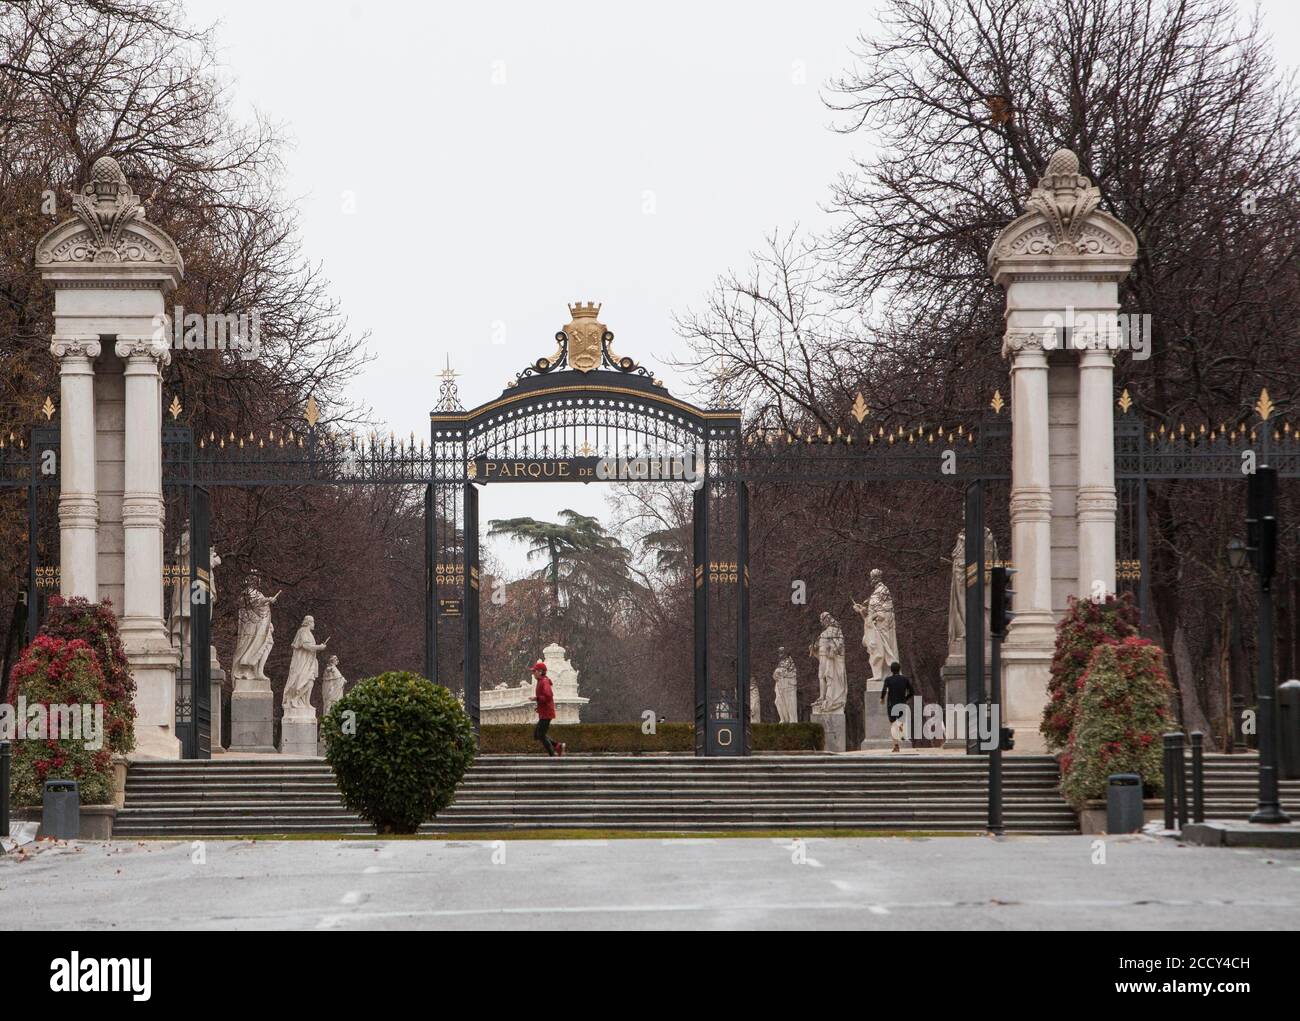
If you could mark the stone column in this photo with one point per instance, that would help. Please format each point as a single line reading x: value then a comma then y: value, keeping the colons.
x: 78, y: 499
x: 1031, y: 488
x: 143, y: 627
x: 1096, y: 500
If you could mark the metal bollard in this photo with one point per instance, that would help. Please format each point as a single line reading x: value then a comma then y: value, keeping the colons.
x: 1180, y: 777
x: 1169, y: 780
x: 1288, y: 718
x: 4, y: 791
x: 1198, y: 776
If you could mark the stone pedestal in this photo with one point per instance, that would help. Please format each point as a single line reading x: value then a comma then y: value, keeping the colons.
x: 298, y: 733
x: 214, y: 703
x: 875, y: 721
x: 832, y: 725
x: 953, y: 678
x: 252, y: 716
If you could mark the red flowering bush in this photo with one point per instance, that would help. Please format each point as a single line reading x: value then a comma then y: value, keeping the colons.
x: 1087, y: 624
x: 1122, y: 711
x: 54, y: 671
x: 95, y: 624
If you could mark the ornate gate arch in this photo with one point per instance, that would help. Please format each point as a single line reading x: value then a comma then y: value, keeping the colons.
x: 586, y: 414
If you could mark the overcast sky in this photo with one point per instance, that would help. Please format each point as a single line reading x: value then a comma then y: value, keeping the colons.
x: 465, y: 170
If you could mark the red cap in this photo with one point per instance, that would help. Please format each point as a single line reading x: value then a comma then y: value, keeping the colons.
x: 540, y: 665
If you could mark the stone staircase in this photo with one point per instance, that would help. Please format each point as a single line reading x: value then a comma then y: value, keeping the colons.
x: 1232, y: 787
x: 229, y: 797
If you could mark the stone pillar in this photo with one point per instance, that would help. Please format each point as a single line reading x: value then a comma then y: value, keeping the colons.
x: 111, y: 270
x: 78, y: 497
x: 1096, y: 499
x: 1060, y: 263
x: 143, y: 625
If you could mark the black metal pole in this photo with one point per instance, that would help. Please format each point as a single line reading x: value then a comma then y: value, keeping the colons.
x: 1198, y: 776
x: 1169, y: 781
x: 1179, y: 763
x: 995, y: 756
x: 1270, y: 808
x: 4, y: 791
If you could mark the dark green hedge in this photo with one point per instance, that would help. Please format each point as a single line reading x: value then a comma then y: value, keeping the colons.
x: 514, y: 738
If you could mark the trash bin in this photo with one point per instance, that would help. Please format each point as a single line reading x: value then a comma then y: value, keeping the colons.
x: 1288, y: 705
x: 1123, y: 803
x: 61, y: 810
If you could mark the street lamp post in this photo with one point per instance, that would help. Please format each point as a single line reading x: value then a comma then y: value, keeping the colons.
x: 1261, y: 546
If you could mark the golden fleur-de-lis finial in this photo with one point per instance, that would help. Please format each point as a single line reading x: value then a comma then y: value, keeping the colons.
x: 47, y: 409
x: 175, y: 408
x: 860, y: 410
x: 1125, y: 401
x: 586, y: 450
x: 312, y: 412
x: 1264, y: 406
x: 997, y: 404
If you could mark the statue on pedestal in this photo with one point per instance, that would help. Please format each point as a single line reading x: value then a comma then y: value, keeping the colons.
x: 255, y: 638
x: 957, y: 593
x: 332, y: 683
x: 755, y: 702
x: 303, y: 669
x: 878, y: 627
x: 832, y: 682
x: 787, y: 687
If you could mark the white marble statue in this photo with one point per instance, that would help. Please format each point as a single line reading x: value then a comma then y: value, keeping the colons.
x: 786, y: 687
x: 832, y: 682
x: 755, y: 702
x: 180, y: 603
x: 256, y: 636
x: 303, y: 668
x: 332, y: 683
x: 957, y: 592
x: 878, y: 627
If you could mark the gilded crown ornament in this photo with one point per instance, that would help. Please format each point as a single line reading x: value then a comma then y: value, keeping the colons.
x: 585, y: 336
x: 585, y: 344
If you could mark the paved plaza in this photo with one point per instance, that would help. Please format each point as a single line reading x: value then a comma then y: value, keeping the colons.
x: 868, y: 883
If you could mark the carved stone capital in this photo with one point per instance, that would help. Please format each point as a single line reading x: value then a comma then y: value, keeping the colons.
x: 76, y: 346
x: 153, y: 347
x: 1039, y: 339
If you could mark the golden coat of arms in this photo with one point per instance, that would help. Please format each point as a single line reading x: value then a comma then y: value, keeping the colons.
x: 585, y: 337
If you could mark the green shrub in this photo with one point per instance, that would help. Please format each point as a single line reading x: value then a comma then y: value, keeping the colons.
x: 67, y: 673
x: 1086, y: 625
x: 1123, y: 709
x: 627, y: 738
x: 398, y: 744
x: 95, y: 624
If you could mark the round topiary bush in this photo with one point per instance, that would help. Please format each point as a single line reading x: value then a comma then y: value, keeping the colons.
x: 1087, y: 624
x: 95, y: 624
x: 399, y: 745
x: 56, y: 672
x: 1123, y: 709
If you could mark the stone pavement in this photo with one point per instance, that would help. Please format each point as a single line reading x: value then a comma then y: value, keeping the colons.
x: 768, y: 883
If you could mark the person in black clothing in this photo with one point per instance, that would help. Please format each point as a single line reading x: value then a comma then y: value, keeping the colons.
x: 896, y: 692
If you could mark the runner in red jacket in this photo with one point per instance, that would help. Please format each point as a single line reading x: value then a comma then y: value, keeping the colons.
x: 545, y: 699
